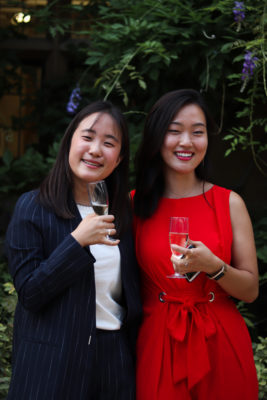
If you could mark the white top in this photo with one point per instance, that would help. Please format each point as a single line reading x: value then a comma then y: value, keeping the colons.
x: 109, y: 313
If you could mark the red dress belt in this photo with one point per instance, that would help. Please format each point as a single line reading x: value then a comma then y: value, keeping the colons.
x: 190, y: 328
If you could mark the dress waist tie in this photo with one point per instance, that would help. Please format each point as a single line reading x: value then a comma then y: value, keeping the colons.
x: 189, y: 329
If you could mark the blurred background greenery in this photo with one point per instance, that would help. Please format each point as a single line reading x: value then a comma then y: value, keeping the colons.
x: 59, y: 55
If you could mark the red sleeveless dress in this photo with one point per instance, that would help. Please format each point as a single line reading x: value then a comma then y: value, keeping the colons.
x: 193, y: 343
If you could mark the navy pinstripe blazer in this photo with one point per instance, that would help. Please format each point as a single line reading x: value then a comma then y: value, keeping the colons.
x: 54, y: 324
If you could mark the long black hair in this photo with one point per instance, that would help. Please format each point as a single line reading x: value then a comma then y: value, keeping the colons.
x: 150, y: 182
x: 56, y: 189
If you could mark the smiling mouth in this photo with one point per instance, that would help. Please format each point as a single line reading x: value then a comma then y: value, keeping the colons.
x: 184, y: 155
x: 92, y: 163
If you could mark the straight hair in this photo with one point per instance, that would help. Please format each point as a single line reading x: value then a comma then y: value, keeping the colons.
x: 149, y: 165
x: 56, y: 190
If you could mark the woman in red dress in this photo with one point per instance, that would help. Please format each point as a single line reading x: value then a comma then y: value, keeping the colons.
x: 193, y: 343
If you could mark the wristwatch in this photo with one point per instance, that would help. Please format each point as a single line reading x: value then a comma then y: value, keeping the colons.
x: 219, y: 274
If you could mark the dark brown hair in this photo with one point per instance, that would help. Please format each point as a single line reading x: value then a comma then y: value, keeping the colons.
x: 150, y: 182
x: 56, y: 189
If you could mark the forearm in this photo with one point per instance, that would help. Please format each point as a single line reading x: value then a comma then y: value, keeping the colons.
x: 239, y: 283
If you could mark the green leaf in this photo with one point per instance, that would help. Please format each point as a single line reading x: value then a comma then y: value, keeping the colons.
x: 227, y: 47
x: 116, y: 26
x: 243, y: 113
x: 228, y: 137
x: 91, y: 61
x: 228, y: 151
x: 142, y: 84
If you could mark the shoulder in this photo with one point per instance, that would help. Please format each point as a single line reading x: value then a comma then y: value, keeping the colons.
x: 240, y: 217
x: 28, y: 206
x: 25, y: 213
x: 237, y: 204
x: 27, y: 200
x: 236, y: 199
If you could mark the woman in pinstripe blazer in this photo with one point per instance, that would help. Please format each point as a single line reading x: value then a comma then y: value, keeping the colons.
x: 78, y: 292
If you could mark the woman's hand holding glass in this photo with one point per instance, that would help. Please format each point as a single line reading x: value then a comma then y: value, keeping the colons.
x: 97, y: 229
x: 94, y: 229
x: 99, y: 200
x: 199, y: 258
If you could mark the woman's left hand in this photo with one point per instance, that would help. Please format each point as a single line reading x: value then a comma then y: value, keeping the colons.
x: 240, y: 279
x: 199, y: 258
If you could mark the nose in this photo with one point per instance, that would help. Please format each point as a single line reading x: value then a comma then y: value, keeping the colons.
x: 95, y: 148
x: 185, y: 139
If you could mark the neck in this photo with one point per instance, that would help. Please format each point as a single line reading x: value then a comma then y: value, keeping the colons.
x: 182, y: 186
x: 81, y: 195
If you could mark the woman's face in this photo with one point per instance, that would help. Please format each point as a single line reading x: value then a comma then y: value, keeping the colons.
x: 186, y: 141
x: 95, y: 149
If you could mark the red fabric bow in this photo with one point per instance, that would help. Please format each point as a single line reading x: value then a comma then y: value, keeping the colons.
x: 189, y: 328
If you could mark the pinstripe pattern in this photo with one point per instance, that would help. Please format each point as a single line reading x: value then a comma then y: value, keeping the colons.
x: 55, y: 315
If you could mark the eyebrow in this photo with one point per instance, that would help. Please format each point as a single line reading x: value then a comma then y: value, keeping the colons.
x: 195, y: 124
x: 107, y: 135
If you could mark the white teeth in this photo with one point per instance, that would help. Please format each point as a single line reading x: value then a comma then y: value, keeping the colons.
x: 180, y: 154
x: 91, y: 163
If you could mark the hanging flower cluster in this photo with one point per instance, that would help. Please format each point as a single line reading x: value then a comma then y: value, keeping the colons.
x: 248, y: 65
x: 239, y: 11
x: 74, y: 100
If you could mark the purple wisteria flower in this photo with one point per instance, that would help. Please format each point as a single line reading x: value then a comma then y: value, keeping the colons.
x: 248, y: 65
x: 74, y: 100
x: 239, y: 11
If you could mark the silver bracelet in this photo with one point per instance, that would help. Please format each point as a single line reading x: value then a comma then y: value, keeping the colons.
x: 219, y: 274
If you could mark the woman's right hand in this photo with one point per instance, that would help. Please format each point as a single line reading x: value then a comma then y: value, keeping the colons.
x: 95, y: 229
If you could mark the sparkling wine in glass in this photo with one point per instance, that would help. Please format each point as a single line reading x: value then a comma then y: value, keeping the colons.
x: 178, y: 234
x: 98, y: 196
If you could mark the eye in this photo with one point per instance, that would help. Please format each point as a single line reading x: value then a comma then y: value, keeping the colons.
x: 87, y: 137
x: 173, y: 131
x: 198, y: 132
x: 108, y: 144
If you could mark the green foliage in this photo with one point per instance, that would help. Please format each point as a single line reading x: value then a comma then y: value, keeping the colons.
x: 261, y: 239
x: 26, y: 172
x: 260, y: 357
x: 148, y: 36
x: 132, y: 52
x: 248, y: 316
x: 251, y: 133
x: 141, y: 49
x: 8, y: 300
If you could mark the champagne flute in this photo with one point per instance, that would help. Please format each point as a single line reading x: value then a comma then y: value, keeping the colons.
x: 98, y: 196
x: 178, y: 234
